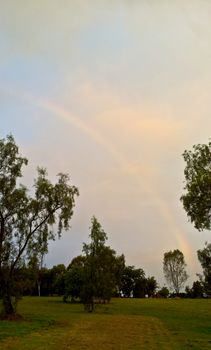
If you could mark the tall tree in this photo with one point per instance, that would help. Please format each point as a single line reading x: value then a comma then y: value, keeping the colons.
x: 174, y: 269
x: 197, y: 199
x: 26, y: 221
x: 93, y: 270
x: 101, y: 275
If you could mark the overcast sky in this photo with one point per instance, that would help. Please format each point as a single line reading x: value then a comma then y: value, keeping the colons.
x: 111, y: 92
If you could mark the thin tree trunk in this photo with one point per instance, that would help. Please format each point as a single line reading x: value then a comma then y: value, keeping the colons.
x: 38, y: 287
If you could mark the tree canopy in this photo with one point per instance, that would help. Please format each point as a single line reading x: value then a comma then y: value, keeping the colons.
x: 197, y: 198
x: 26, y: 221
x: 204, y: 256
x: 133, y: 282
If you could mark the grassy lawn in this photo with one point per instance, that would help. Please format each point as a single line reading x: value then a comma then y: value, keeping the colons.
x: 123, y: 324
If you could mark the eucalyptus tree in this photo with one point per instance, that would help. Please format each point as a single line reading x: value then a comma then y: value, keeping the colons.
x: 174, y: 269
x: 26, y: 220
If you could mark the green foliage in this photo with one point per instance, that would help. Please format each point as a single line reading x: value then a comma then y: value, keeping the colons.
x: 174, y: 269
x: 133, y: 282
x: 95, y: 276
x: 151, y: 286
x: 204, y: 256
x: 197, y: 199
x: 197, y: 290
x: 26, y: 221
x: 163, y: 292
x: 57, y: 276
x: 100, y: 269
x: 74, y: 278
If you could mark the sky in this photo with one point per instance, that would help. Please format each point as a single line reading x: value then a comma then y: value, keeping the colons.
x: 111, y: 92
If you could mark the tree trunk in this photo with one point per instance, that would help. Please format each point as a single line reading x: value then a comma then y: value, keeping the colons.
x: 38, y: 287
x: 8, y: 308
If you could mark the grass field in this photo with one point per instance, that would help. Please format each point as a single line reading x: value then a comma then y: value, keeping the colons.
x: 123, y: 324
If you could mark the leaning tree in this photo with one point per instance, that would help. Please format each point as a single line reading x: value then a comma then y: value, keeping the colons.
x: 27, y: 221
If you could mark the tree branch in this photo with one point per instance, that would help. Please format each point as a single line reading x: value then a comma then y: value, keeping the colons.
x: 31, y: 232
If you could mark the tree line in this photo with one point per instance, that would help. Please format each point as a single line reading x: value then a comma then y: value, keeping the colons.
x: 99, y: 274
x: 92, y: 277
x: 28, y: 220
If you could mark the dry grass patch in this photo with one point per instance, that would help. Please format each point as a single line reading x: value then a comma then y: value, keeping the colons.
x: 98, y: 332
x: 123, y: 324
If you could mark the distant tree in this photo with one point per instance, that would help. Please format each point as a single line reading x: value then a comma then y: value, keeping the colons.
x: 197, y: 199
x: 174, y: 269
x: 204, y: 256
x: 188, y: 292
x: 118, y: 270
x: 58, y: 279
x: 35, y: 265
x: 45, y: 277
x: 197, y: 290
x: 77, y: 261
x: 139, y: 290
x: 27, y: 281
x: 133, y: 282
x: 163, y: 292
x: 26, y: 221
x: 74, y: 278
x: 151, y: 286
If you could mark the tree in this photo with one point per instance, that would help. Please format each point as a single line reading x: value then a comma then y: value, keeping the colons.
x: 58, y: 279
x: 35, y: 264
x: 197, y: 199
x: 197, y: 290
x: 74, y: 278
x: 94, y: 264
x: 133, y: 282
x: 96, y: 275
x: 26, y: 221
x: 163, y: 292
x: 151, y: 286
x: 204, y: 256
x: 174, y: 269
x: 118, y: 269
x: 101, y: 266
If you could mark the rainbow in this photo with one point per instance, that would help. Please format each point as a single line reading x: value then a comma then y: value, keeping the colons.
x: 69, y: 118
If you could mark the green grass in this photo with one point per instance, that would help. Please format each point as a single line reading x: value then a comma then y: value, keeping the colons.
x: 123, y: 324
